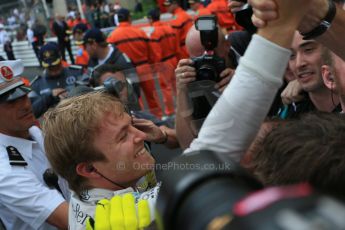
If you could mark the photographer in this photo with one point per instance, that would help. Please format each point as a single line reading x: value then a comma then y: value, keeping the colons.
x: 248, y: 93
x: 55, y: 81
x: 186, y: 74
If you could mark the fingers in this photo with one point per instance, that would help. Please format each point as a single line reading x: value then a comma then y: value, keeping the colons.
x: 185, y: 73
x: 116, y: 213
x: 292, y: 93
x: 290, y: 100
x: 263, y: 5
x: 267, y: 15
x: 120, y: 213
x: 223, y: 84
x: 123, y: 212
x: 235, y: 6
x: 102, y: 215
x: 144, y: 214
x: 140, y: 122
x: 184, y: 62
x: 263, y: 12
x: 129, y: 211
x: 258, y: 22
x: 226, y: 76
x: 227, y: 72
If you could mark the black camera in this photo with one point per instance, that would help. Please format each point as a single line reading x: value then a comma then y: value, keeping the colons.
x: 207, y: 190
x: 114, y: 86
x: 199, y: 187
x: 208, y: 66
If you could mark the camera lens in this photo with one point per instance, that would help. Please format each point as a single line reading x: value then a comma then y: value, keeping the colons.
x: 200, y: 187
x: 206, y: 72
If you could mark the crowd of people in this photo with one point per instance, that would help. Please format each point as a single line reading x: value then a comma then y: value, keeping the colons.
x: 76, y: 141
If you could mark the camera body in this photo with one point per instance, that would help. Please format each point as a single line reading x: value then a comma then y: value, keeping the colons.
x: 208, y: 66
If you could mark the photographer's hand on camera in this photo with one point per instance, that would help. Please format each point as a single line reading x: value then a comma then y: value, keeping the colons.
x: 226, y: 76
x: 185, y: 73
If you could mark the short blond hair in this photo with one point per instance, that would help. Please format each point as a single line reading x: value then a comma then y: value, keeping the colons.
x: 69, y: 130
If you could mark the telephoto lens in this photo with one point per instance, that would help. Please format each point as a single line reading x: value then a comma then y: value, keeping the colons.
x: 199, y: 190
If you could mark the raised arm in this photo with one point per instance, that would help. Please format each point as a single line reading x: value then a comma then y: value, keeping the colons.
x: 235, y: 119
x: 267, y: 10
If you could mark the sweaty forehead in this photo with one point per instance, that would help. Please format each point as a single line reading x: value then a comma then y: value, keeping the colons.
x: 114, y: 119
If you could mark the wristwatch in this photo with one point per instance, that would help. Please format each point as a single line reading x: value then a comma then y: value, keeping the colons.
x: 324, y: 25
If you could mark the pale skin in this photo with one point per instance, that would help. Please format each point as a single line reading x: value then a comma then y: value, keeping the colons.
x: 292, y: 92
x: 235, y: 6
x: 127, y: 159
x: 156, y: 134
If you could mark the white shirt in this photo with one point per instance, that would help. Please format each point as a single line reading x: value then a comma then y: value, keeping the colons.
x: 80, y: 209
x: 235, y: 119
x: 30, y: 35
x: 4, y: 37
x: 25, y: 200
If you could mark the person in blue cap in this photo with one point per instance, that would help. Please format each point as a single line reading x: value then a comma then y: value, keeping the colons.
x: 56, y: 80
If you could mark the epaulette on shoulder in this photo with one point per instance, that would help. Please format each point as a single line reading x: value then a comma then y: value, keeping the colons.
x: 35, y: 79
x: 14, y: 156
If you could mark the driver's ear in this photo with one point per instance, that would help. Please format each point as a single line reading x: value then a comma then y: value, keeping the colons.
x: 86, y: 170
x: 327, y: 77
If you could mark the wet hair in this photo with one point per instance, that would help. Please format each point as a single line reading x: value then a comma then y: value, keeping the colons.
x: 69, y: 130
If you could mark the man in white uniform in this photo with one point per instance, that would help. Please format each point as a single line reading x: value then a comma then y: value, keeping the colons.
x: 26, y: 201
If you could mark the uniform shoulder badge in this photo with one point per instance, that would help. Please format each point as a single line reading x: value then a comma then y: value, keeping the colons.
x: 15, y: 157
